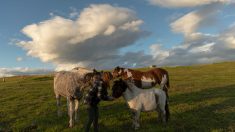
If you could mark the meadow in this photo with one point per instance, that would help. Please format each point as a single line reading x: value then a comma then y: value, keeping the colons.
x: 202, y: 99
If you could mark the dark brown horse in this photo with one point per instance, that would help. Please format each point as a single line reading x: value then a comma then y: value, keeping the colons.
x: 146, y: 79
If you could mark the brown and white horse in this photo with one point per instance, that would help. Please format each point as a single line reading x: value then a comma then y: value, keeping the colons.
x: 146, y: 79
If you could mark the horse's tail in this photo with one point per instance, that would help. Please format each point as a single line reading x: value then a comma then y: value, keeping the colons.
x: 167, y: 111
x: 168, y: 81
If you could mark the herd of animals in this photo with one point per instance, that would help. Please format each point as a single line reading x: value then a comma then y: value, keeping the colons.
x: 136, y: 87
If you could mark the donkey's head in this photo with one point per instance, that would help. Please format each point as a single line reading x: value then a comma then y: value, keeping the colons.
x: 119, y: 86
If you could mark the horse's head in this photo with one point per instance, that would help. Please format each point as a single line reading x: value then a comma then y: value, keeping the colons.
x: 118, y: 71
x: 119, y: 86
x: 96, y: 77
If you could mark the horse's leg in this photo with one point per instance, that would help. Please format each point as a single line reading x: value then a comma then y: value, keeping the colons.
x: 136, y: 115
x: 163, y: 84
x: 163, y: 113
x: 58, y: 105
x: 71, y: 112
x: 76, y: 109
x: 68, y: 105
x: 159, y: 113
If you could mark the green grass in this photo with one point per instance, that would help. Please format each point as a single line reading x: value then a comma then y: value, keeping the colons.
x: 202, y: 98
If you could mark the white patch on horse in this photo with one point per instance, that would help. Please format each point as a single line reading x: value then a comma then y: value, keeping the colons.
x: 147, y: 82
x: 164, y: 81
x: 120, y: 71
x: 129, y: 74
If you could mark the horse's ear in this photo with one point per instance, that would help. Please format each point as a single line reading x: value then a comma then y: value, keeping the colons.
x: 117, y: 68
x: 94, y: 70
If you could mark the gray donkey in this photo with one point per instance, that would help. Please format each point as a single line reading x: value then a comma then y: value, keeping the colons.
x: 71, y: 85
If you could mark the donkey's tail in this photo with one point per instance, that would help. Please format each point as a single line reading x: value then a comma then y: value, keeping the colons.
x: 167, y: 111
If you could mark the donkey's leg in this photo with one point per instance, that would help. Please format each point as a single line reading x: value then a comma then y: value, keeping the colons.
x: 76, y: 110
x: 58, y: 105
x: 71, y: 112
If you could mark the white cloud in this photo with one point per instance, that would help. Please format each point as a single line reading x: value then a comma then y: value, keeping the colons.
x: 204, y: 48
x: 184, y: 3
x: 95, y: 37
x: 19, y: 59
x: 200, y: 48
x: 74, y: 13
x: 6, y: 72
x: 157, y: 53
x: 190, y: 22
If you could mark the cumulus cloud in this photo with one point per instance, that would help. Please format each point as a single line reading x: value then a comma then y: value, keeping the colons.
x: 184, y: 3
x: 7, y: 72
x: 197, y: 47
x: 74, y: 13
x: 201, y: 48
x: 95, y: 37
x: 190, y: 22
x: 19, y: 59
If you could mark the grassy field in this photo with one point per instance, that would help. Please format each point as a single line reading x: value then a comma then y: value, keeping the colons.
x: 202, y: 98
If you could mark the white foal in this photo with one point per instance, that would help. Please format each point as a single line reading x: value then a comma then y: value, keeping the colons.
x: 142, y: 100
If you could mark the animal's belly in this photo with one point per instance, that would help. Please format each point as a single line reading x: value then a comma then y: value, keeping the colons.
x: 148, y: 101
x: 147, y: 84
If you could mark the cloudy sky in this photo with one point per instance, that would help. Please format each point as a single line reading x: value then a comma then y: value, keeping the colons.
x: 42, y: 36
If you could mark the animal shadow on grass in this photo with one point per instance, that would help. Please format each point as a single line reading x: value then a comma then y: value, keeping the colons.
x: 206, y: 110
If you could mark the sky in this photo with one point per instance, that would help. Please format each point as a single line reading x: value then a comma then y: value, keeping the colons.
x: 43, y: 36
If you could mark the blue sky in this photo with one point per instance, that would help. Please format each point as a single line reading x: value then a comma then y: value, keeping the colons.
x: 163, y: 29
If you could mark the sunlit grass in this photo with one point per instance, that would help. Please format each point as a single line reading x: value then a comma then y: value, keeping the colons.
x: 202, y: 98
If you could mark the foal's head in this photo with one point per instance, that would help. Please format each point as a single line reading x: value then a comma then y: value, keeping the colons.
x: 118, y: 71
x: 119, y: 86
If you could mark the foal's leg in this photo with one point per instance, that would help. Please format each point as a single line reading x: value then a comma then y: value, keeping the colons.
x: 136, y: 116
x: 163, y: 113
x: 76, y: 109
x: 58, y: 105
x: 71, y: 112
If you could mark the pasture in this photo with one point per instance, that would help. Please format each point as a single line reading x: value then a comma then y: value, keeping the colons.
x: 202, y: 98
